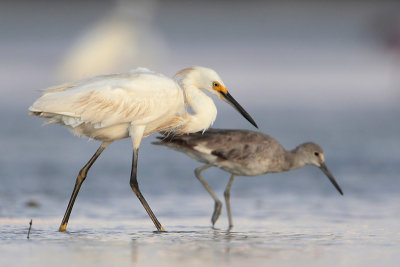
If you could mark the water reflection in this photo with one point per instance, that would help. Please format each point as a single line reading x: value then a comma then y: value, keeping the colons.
x: 126, y: 242
x: 221, y: 246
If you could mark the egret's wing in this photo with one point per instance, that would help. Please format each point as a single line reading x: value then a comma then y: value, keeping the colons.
x: 132, y: 73
x: 139, y: 96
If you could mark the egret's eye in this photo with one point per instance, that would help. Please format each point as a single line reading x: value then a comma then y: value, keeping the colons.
x: 316, y: 154
x: 215, y: 84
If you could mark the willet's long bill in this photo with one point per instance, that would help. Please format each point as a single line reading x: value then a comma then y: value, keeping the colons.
x: 243, y: 153
x: 134, y: 104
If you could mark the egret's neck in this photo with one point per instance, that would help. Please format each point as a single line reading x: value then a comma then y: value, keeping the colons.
x: 203, y: 107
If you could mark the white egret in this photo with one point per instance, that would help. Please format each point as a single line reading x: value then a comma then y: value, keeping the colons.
x: 244, y: 153
x: 134, y: 104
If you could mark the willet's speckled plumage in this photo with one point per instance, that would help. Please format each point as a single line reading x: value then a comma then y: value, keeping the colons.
x: 243, y: 153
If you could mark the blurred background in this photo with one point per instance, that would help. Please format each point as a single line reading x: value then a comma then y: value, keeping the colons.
x: 335, y: 55
x: 323, y: 71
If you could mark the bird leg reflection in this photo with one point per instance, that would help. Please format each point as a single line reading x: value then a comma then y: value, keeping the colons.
x: 218, y: 203
x: 135, y: 187
x: 227, y: 200
x: 79, y: 180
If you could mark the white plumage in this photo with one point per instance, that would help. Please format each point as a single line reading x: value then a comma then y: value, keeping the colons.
x: 134, y: 104
x: 103, y: 107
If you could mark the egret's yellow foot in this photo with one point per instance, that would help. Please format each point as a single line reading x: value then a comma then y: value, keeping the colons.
x: 63, y: 227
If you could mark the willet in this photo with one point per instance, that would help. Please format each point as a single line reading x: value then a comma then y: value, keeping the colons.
x: 243, y: 153
x: 135, y: 105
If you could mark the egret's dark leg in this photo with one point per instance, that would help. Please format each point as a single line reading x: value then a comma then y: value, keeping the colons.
x: 135, y: 187
x: 218, y: 203
x: 79, y: 180
x: 227, y: 200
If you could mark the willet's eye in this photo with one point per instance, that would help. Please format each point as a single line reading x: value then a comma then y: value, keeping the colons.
x: 316, y: 154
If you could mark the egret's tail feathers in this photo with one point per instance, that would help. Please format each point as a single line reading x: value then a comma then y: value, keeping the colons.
x: 42, y: 114
x: 49, y: 116
x: 35, y: 113
x: 54, y: 118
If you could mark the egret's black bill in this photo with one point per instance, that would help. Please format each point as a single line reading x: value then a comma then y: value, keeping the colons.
x: 238, y: 107
x: 330, y: 176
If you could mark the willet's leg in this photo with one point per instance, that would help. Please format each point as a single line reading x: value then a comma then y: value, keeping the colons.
x: 218, y: 203
x: 227, y: 200
x: 135, y: 187
x: 79, y: 180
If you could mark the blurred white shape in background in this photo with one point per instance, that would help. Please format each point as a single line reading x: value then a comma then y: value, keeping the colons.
x: 122, y: 40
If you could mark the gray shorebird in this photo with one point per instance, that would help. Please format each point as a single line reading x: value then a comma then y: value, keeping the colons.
x: 243, y: 153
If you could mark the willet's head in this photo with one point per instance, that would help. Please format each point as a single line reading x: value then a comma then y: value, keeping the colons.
x: 312, y: 154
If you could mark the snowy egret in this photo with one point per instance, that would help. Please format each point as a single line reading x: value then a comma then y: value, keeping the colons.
x: 244, y: 153
x: 134, y: 104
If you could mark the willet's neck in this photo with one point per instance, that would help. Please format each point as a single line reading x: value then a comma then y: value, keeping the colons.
x: 294, y: 160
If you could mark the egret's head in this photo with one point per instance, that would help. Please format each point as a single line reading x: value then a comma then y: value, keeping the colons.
x: 208, y: 79
x: 312, y: 154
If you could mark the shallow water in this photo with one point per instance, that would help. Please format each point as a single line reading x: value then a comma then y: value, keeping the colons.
x: 279, y: 219
x: 277, y: 242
